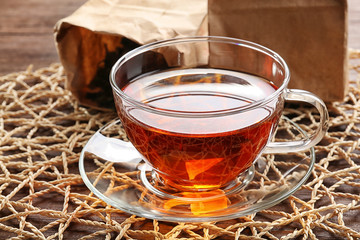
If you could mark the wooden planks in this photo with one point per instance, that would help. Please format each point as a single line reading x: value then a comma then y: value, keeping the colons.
x: 26, y: 32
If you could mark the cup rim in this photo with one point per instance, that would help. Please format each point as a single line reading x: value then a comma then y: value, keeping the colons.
x: 192, y: 114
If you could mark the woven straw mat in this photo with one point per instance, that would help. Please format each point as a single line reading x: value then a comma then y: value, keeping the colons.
x: 42, y: 196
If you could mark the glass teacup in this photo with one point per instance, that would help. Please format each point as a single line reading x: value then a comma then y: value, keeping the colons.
x: 201, y: 110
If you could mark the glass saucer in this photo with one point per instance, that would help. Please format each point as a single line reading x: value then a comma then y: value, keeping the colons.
x: 115, y: 172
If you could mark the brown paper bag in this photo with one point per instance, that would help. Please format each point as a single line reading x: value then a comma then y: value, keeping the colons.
x: 311, y: 35
x: 91, y: 40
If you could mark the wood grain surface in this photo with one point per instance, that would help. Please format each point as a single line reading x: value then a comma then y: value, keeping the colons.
x: 26, y: 32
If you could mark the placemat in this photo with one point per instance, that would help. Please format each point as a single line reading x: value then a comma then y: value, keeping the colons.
x: 42, y: 132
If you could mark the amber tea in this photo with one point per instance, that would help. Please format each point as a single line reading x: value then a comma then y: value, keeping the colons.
x: 204, y: 140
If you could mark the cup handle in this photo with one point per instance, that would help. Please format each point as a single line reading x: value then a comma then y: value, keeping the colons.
x: 308, y: 142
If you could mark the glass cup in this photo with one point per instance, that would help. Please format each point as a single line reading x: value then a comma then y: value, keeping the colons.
x: 201, y: 110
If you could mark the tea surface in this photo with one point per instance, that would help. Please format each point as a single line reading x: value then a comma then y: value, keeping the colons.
x: 199, y: 152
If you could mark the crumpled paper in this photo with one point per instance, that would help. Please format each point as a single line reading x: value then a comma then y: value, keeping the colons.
x: 94, y: 37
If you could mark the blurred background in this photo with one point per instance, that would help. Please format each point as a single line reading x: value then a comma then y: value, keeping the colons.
x: 26, y: 31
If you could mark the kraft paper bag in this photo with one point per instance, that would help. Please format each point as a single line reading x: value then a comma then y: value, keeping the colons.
x: 311, y: 35
x: 94, y: 37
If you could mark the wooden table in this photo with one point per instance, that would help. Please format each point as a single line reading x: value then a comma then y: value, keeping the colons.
x: 26, y: 30
x: 354, y: 24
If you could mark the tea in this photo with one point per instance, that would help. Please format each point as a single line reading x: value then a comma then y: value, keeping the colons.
x: 188, y: 145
